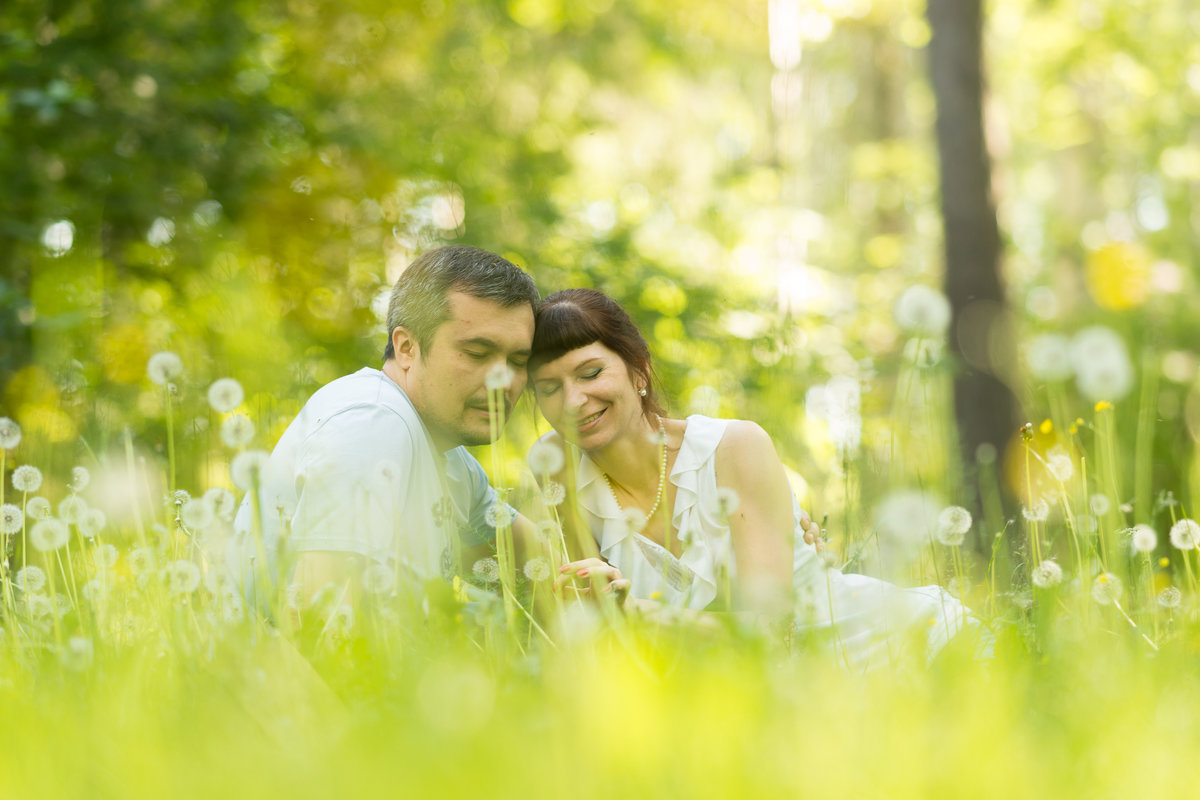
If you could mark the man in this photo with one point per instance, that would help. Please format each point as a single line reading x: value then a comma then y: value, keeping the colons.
x: 374, y: 469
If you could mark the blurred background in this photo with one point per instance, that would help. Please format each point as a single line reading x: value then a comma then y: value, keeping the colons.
x: 757, y: 182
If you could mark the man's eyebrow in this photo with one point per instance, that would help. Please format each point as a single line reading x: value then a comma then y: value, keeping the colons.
x: 483, y: 341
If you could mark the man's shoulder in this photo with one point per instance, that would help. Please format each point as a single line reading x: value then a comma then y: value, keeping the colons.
x: 362, y: 392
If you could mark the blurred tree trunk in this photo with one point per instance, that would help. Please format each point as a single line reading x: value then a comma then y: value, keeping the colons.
x: 985, y: 408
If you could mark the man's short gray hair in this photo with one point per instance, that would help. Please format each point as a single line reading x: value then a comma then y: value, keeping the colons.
x: 421, y: 297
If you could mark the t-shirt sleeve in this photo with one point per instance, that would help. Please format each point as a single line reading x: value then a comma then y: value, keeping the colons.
x: 482, y: 496
x: 352, y: 483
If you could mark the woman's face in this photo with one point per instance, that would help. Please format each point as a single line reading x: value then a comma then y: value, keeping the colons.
x: 589, y: 395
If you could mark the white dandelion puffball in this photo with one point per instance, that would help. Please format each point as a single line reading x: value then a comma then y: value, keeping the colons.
x: 164, y: 367
x: 225, y: 395
x: 1143, y: 539
x: 537, y: 569
x: 499, y: 377
x: 1185, y: 534
x: 105, y: 556
x: 92, y: 522
x: 1103, y: 370
x: 1038, y: 512
x: 30, y: 579
x: 905, y: 521
x: 553, y: 493
x: 378, y: 579
x: 237, y: 430
x: 546, y: 531
x: 499, y: 515
x: 1049, y: 357
x: 952, y: 525
x: 48, y: 535
x: 1107, y: 589
x: 1099, y: 504
x: 39, y: 605
x: 10, y: 433
x: 1060, y: 465
x: 196, y: 515
x: 221, y: 501
x: 78, y: 653
x: 247, y: 468
x: 182, y: 577
x: 545, y: 458
x: 922, y: 311
x: 180, y: 497
x: 12, y: 518
x: 96, y: 590
x: 26, y: 478
x: 80, y: 478
x: 62, y: 605
x: 72, y: 509
x: 634, y: 519
x: 141, y: 561
x: 728, y: 501
x: 1170, y: 597
x: 487, y: 570
x: 1047, y: 574
x: 38, y: 508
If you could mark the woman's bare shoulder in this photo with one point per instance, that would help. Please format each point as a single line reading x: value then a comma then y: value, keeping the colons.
x: 745, y: 449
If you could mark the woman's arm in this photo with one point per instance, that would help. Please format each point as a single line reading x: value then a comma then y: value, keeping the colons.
x: 762, y: 524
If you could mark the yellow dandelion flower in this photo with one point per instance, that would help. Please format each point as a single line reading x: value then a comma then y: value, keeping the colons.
x: 1164, y: 562
x: 1046, y: 427
x: 1103, y: 405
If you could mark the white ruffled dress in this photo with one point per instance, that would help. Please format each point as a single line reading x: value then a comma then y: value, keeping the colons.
x: 870, y: 622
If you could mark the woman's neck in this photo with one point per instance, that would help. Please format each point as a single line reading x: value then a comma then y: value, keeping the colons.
x: 632, y: 461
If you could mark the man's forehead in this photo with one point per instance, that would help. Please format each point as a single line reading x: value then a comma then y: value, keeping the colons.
x: 476, y: 316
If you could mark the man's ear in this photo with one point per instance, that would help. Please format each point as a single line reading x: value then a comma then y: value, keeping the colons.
x: 405, y: 346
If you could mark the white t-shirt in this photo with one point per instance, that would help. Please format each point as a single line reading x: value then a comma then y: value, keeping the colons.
x: 356, y: 472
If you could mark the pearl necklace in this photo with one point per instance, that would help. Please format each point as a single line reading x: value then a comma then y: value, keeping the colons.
x: 662, y: 475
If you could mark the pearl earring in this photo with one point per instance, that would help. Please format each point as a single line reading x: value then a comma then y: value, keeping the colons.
x: 641, y: 392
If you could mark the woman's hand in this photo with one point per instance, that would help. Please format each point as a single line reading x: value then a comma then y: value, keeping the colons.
x: 812, y: 531
x: 592, y: 574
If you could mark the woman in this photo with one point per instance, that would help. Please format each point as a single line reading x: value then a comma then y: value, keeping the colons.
x: 734, y: 537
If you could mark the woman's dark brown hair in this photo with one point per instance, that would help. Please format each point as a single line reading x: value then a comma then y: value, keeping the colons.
x: 575, y: 318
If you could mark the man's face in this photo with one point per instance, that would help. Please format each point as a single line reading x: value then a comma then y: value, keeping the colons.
x: 448, y: 383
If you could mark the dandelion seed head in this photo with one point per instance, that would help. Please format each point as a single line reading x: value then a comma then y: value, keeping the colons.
x: 30, y: 579
x: 39, y: 606
x: 378, y: 579
x: 105, y: 556
x: 1143, y: 539
x: 1049, y: 357
x: 180, y: 497
x: 96, y: 590
x: 952, y: 525
x: 499, y: 515
x: 634, y: 519
x: 1103, y: 370
x: 547, y: 531
x: 182, y: 577
x: 62, y: 605
x: 959, y: 586
x: 141, y: 561
x: 11, y: 518
x: 26, y: 478
x: 164, y: 367
x: 1107, y: 589
x: 922, y: 311
x: 1170, y: 597
x: 499, y: 377
x: 728, y: 501
x: 10, y: 433
x: 537, y: 569
x: 1047, y: 574
x: 1060, y: 465
x: 1037, y: 512
x: 72, y: 509
x: 38, y: 508
x: 80, y: 478
x: 221, y: 501
x: 225, y: 395
x: 78, y: 653
x: 545, y: 458
x: 1099, y: 504
x: 905, y: 521
x: 247, y: 468
x: 196, y: 515
x: 92, y: 522
x: 1185, y: 534
x: 237, y: 430
x: 49, y: 534
x: 554, y: 493
x: 486, y: 569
